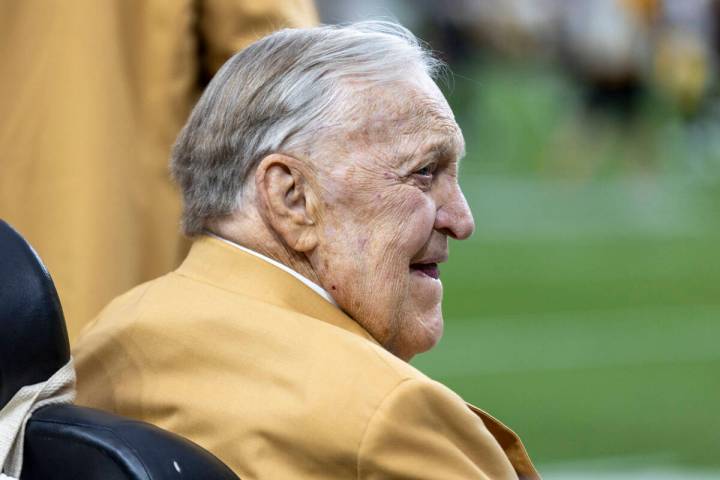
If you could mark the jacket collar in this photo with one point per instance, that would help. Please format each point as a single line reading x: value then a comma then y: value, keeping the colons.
x: 220, y: 264
x: 313, y: 286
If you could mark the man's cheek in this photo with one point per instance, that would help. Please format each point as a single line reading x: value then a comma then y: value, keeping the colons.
x: 389, y: 276
x: 415, y: 207
x: 413, y: 231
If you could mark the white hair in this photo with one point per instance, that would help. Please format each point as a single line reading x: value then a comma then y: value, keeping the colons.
x: 273, y: 95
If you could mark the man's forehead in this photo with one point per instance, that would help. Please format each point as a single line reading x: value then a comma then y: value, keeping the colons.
x: 418, y: 107
x: 405, y: 117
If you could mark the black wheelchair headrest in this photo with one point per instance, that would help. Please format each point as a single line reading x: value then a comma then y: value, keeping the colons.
x: 33, y: 338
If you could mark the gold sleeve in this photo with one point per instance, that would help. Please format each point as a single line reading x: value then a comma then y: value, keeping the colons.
x: 227, y: 26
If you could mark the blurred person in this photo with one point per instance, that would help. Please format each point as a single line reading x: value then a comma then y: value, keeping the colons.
x: 682, y: 68
x: 319, y: 173
x: 92, y: 95
x: 683, y: 60
x: 518, y: 28
x: 607, y: 45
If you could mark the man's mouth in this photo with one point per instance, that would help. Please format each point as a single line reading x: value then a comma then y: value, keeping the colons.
x: 429, y: 269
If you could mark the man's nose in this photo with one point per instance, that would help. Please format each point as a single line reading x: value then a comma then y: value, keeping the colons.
x: 454, y: 217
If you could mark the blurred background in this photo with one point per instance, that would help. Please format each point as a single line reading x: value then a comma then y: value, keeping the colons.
x: 585, y: 311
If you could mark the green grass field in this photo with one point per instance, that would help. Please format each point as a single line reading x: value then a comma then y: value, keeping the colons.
x: 585, y: 311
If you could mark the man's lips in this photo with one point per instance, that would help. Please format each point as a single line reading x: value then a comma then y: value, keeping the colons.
x: 429, y: 269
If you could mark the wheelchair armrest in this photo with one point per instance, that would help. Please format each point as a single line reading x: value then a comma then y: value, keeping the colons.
x: 66, y: 442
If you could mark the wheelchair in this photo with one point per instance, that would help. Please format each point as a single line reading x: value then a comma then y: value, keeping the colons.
x: 69, y: 442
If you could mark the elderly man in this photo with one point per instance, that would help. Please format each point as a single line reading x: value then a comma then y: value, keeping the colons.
x: 319, y: 173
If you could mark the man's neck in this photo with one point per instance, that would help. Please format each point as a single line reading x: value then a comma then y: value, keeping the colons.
x: 254, y: 235
x: 312, y: 285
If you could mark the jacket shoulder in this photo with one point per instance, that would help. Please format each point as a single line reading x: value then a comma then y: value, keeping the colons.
x: 159, y: 349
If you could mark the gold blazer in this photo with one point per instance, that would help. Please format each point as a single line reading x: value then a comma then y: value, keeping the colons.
x: 250, y: 363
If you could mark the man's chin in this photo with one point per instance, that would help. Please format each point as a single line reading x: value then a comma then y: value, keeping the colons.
x: 424, y: 334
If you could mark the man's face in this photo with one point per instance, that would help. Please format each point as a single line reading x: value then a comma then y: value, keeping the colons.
x: 390, y: 200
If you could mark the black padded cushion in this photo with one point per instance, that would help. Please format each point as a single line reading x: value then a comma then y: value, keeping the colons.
x: 33, y: 339
x: 64, y: 442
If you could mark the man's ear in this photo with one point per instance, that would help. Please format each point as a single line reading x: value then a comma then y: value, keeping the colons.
x: 286, y: 200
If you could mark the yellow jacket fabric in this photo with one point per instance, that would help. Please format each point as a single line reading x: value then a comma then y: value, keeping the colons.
x: 92, y: 95
x: 247, y: 361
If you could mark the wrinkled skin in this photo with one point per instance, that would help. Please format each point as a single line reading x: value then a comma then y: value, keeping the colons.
x: 366, y: 211
x: 389, y: 201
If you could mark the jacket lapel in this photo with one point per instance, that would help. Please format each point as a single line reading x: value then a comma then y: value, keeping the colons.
x: 510, y: 443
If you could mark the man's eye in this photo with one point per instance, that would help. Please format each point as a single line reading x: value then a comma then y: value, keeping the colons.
x: 425, y: 171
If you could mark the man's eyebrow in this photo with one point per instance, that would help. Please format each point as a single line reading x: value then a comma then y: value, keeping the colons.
x: 441, y: 148
x: 445, y: 148
x: 438, y: 149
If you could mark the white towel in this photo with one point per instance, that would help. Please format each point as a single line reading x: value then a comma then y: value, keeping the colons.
x: 60, y: 388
